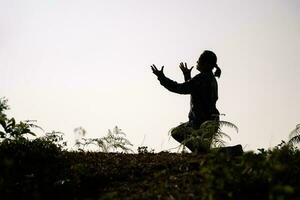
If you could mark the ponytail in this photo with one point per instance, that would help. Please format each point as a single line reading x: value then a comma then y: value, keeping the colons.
x: 218, y: 71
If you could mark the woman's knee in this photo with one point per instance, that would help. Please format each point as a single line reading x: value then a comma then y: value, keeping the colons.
x: 180, y: 133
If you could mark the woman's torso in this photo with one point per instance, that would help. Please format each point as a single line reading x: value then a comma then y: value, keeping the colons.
x: 203, y: 98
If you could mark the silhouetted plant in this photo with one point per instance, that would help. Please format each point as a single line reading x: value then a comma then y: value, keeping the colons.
x: 114, y: 141
x: 11, y: 129
x: 294, y: 137
x: 3, y: 107
x: 144, y: 149
x: 38, y: 169
x: 80, y: 141
x: 3, y: 118
x: 55, y: 137
x: 83, y: 143
x: 209, y: 135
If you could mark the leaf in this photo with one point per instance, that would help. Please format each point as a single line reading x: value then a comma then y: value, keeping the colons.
x: 224, y: 134
x: 294, y: 140
x: 229, y: 124
x: 31, y: 133
x: 3, y: 123
x: 11, y: 123
x: 2, y: 134
x: 295, y: 132
x: 218, y: 143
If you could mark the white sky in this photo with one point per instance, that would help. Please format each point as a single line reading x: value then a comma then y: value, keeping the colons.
x: 87, y: 63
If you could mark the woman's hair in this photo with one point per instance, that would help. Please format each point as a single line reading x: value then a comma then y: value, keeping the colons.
x: 211, y: 58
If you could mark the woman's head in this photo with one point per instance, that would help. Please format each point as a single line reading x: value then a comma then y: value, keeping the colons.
x: 207, y: 62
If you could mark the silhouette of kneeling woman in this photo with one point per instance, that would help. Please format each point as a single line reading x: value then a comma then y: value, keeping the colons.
x: 203, y: 89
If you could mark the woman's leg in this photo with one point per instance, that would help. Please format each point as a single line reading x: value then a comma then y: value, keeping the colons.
x: 182, y: 133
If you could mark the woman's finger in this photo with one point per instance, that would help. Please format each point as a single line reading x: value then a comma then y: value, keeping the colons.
x: 154, y: 67
x: 153, y: 70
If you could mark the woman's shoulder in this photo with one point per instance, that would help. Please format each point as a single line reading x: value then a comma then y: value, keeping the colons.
x: 204, y: 80
x: 203, y: 77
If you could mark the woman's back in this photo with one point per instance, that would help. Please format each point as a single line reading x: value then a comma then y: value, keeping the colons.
x: 204, y: 95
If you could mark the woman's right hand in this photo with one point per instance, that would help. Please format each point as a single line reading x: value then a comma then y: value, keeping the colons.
x: 157, y: 72
x: 185, y: 70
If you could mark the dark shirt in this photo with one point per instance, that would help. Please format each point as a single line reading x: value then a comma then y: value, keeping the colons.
x: 203, y: 89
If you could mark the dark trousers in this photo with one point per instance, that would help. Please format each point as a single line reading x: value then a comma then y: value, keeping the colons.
x: 189, y: 136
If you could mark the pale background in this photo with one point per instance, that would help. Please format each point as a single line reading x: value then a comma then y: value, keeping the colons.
x: 87, y: 63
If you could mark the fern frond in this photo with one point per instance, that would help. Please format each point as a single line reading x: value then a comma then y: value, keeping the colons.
x: 294, y: 136
x: 229, y: 124
x: 295, y: 132
x: 218, y: 143
x: 222, y: 134
x: 101, y: 144
x: 294, y: 140
x: 3, y: 123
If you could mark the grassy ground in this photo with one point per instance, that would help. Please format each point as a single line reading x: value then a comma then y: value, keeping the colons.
x: 40, y: 170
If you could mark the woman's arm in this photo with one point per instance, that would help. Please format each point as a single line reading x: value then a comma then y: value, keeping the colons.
x: 180, y: 88
x: 173, y: 86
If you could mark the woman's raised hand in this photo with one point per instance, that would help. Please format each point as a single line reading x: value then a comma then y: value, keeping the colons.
x: 157, y: 72
x: 185, y: 70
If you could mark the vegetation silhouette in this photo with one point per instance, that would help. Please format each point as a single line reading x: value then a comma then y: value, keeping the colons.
x: 294, y: 137
x: 206, y: 137
x: 114, y: 141
x: 42, y: 168
x: 203, y: 128
x: 12, y: 129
